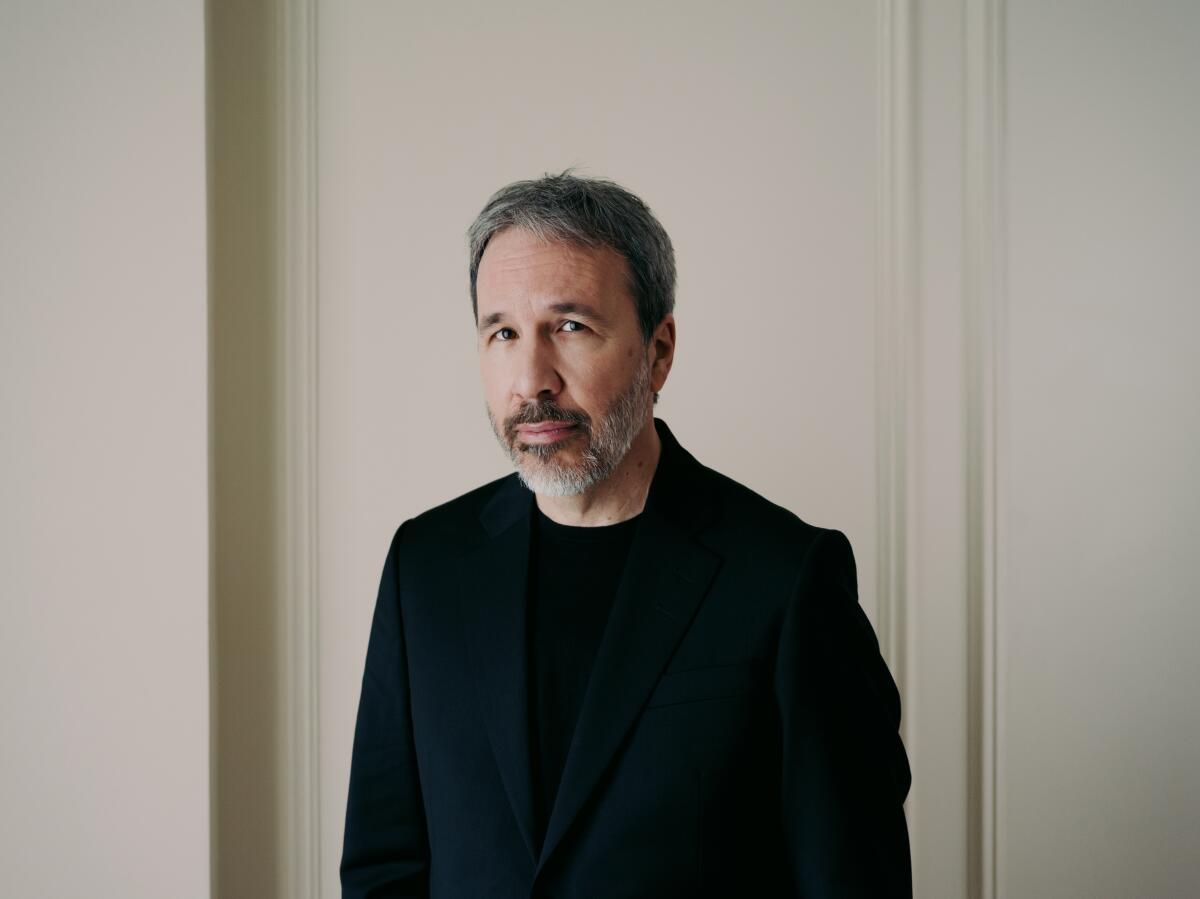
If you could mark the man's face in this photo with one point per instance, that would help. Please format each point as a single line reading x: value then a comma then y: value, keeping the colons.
x: 566, y: 373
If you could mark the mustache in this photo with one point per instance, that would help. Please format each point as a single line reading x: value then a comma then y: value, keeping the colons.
x: 544, y: 411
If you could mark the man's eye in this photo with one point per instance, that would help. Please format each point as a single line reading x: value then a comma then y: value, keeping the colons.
x: 570, y: 322
x: 501, y: 331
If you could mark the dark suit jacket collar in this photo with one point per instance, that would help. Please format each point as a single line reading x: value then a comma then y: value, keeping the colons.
x: 666, y: 576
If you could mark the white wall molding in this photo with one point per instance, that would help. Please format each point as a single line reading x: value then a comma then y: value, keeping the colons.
x: 984, y: 295
x: 298, y: 297
x: 896, y: 334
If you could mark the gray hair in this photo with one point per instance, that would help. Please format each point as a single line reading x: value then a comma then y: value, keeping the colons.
x: 588, y: 212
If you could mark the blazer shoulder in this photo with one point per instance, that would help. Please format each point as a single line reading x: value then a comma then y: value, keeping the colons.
x: 751, y: 518
x: 447, y: 523
x: 781, y: 544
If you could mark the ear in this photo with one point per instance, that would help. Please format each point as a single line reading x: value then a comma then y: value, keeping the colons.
x: 662, y: 352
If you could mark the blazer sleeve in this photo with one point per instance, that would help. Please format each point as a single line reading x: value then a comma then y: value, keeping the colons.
x: 845, y: 771
x: 385, y: 850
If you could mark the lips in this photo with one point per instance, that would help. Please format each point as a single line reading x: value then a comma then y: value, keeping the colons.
x: 540, y: 426
x: 546, y: 431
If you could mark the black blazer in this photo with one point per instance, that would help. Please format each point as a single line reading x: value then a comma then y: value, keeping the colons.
x: 739, y: 735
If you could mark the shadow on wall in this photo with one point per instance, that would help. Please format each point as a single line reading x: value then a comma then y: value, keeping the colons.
x: 245, y: 524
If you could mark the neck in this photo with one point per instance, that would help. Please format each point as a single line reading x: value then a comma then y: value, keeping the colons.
x: 620, y: 496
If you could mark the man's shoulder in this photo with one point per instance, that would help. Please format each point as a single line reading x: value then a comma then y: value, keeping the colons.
x: 750, y: 517
x: 455, y: 518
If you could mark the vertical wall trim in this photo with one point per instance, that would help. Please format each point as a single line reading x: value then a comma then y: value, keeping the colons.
x: 896, y: 333
x: 300, y: 795
x: 984, y: 295
x: 214, y: 717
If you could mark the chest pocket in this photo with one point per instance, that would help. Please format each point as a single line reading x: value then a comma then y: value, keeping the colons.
x: 699, y: 684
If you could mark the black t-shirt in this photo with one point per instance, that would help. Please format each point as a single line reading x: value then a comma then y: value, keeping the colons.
x: 573, y: 577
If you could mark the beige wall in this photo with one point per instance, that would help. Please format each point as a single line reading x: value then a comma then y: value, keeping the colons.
x: 1099, y: 592
x: 104, y: 548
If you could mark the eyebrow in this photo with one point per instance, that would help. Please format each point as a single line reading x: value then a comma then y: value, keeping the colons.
x: 569, y: 307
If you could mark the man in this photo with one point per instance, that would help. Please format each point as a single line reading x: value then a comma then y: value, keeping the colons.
x: 614, y: 672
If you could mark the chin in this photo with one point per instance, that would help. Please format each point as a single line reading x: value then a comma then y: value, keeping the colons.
x: 553, y: 483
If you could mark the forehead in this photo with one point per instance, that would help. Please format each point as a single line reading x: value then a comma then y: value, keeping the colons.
x: 518, y: 267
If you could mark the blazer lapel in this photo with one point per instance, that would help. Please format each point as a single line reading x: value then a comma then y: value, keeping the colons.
x: 666, y: 576
x: 493, y: 581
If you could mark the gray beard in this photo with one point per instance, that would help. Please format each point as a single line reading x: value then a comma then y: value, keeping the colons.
x: 607, y: 445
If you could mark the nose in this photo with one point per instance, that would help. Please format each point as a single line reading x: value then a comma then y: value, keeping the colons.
x: 537, y: 373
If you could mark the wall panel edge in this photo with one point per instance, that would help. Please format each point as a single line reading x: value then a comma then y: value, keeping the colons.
x: 300, y: 755
x: 984, y: 296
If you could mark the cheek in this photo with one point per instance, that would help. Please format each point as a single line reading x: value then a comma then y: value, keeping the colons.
x: 584, y: 380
